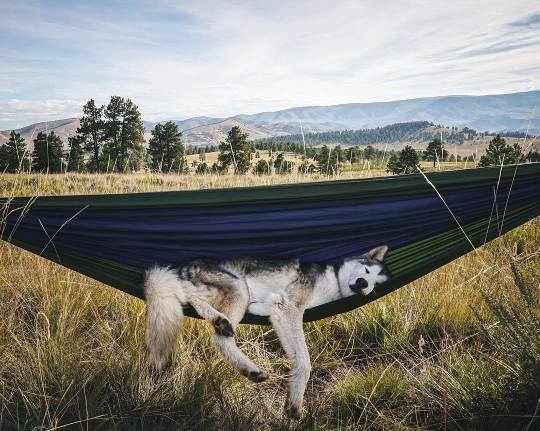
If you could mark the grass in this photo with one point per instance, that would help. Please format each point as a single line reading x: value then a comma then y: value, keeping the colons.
x: 75, y: 183
x: 458, y: 349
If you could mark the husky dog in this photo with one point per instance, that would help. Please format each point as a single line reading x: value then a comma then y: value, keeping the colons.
x: 222, y: 291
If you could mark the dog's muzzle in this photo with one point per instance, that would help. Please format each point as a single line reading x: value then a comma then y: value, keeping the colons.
x: 359, y: 285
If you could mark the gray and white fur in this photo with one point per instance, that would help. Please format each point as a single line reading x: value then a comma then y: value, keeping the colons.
x: 221, y: 292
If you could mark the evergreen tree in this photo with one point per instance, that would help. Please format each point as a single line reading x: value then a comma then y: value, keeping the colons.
x: 499, y: 152
x: 409, y: 159
x: 435, y: 151
x: 235, y: 152
x: 112, y: 130
x: 166, y: 150
x: 124, y: 134
x: 202, y: 169
x: 306, y: 168
x: 369, y: 152
x: 262, y: 167
x: 91, y: 133
x: 352, y: 155
x: 281, y: 165
x: 405, y: 162
x: 48, y: 153
x: 13, y: 154
x: 4, y: 159
x: 394, y: 164
x: 327, y: 162
x: 339, y: 154
x: 75, y: 155
x: 533, y: 156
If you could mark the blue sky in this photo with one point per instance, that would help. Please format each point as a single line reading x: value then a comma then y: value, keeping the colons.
x: 178, y: 59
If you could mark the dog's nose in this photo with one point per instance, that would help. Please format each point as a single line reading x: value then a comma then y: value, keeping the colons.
x: 361, y: 283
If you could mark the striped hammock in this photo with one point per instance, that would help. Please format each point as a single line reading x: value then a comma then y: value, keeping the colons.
x: 114, y: 238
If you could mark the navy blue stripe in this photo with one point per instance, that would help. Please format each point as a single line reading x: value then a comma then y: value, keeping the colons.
x: 323, y: 231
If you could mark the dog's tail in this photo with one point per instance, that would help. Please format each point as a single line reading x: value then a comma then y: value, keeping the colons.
x: 164, y: 298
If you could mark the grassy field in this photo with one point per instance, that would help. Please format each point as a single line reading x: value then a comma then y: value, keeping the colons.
x: 458, y: 349
x: 365, y: 168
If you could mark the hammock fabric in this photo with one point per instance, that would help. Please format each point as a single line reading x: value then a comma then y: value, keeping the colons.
x: 114, y: 238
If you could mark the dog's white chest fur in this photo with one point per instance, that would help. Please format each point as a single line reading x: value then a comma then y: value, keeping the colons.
x: 265, y: 291
x: 268, y: 290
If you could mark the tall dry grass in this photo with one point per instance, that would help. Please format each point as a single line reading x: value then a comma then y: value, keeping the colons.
x: 74, y: 183
x: 457, y: 349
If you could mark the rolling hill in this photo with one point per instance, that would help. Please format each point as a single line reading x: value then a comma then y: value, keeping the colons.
x: 491, y: 113
x: 515, y: 111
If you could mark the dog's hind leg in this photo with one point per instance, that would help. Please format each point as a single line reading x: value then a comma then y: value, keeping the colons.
x: 218, y: 320
x: 164, y: 295
x: 234, y: 307
x: 286, y: 319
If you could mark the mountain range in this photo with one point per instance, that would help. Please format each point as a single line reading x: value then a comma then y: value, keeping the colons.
x: 501, y: 112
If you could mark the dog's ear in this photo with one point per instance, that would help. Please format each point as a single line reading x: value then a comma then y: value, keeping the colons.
x: 378, y: 253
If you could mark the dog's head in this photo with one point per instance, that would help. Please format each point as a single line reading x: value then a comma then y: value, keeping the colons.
x: 361, y: 274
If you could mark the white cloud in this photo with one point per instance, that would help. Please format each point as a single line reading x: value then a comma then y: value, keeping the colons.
x: 19, y: 113
x: 246, y: 56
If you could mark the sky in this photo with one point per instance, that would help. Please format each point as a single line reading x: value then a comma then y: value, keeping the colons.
x: 179, y: 59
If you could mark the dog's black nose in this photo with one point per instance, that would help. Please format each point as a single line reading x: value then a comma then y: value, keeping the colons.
x: 361, y: 283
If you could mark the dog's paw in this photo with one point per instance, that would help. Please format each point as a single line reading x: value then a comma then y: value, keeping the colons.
x: 256, y: 376
x: 292, y: 411
x: 223, y: 327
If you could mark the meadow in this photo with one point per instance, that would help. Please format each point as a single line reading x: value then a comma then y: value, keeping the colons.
x: 458, y: 349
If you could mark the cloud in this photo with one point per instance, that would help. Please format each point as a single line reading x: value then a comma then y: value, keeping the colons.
x: 19, y: 113
x: 498, y: 48
x: 528, y: 21
x: 181, y: 58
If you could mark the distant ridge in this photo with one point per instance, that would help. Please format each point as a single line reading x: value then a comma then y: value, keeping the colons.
x: 483, y: 113
x: 500, y: 112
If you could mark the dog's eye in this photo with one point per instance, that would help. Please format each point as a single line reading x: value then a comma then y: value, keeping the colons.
x: 367, y: 270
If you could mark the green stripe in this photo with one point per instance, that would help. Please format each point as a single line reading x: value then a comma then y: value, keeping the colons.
x: 315, y: 191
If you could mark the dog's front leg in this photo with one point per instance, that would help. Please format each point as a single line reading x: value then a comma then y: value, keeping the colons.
x: 286, y: 319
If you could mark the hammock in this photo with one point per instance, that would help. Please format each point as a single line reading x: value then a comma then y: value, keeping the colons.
x: 114, y: 238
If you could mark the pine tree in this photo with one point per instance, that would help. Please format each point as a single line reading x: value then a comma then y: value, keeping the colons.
x: 339, y: 154
x: 499, y: 152
x: 14, y: 155
x: 435, y: 151
x: 202, y: 169
x: 4, y: 159
x: 409, y: 159
x: 369, y: 152
x: 404, y: 162
x: 352, y: 155
x: 533, y: 156
x: 235, y: 152
x: 48, y: 153
x: 75, y: 155
x: 281, y: 165
x: 91, y: 133
x: 262, y: 167
x: 112, y: 131
x: 327, y: 161
x: 166, y: 150
x: 124, y: 134
x: 394, y: 164
x: 306, y: 168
